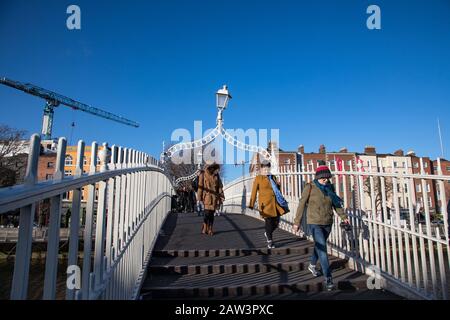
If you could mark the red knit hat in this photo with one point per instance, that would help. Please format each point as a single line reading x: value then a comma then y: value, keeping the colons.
x: 323, y: 171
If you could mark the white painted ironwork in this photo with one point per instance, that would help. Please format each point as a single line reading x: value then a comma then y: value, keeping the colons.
x: 412, y: 256
x: 219, y: 130
x: 129, y: 197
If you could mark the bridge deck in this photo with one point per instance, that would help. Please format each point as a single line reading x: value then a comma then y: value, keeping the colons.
x: 236, y: 264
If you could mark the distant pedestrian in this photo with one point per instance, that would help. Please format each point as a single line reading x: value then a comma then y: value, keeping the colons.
x: 319, y: 199
x: 266, y: 188
x: 199, y: 206
x: 209, y: 195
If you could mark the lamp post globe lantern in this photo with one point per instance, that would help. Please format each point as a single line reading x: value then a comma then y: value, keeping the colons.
x: 222, y: 99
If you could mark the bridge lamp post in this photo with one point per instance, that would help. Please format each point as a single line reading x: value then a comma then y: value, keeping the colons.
x: 222, y: 99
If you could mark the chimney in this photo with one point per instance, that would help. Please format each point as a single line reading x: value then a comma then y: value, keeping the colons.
x: 399, y: 153
x: 322, y: 149
x: 343, y: 150
x: 301, y: 149
x: 411, y: 153
x: 370, y: 150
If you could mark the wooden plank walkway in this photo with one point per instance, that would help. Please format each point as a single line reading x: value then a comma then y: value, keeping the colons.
x: 236, y: 264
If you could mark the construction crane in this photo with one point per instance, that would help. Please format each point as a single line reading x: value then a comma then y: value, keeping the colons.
x: 54, y: 99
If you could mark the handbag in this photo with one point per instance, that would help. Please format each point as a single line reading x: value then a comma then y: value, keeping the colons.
x: 279, y: 196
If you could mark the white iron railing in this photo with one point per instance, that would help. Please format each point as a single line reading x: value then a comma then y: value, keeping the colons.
x: 409, y: 256
x: 127, y: 213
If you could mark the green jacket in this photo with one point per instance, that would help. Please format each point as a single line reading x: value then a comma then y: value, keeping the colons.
x: 319, y: 207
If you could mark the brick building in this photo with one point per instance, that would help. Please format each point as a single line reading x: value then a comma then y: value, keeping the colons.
x: 445, y: 167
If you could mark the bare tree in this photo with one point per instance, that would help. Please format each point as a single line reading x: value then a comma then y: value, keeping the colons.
x: 377, y: 191
x: 178, y: 170
x: 13, y: 161
x: 13, y: 155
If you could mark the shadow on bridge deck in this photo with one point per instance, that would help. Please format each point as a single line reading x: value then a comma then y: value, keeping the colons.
x: 236, y: 264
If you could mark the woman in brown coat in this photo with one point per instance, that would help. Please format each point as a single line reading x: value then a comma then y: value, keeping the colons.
x: 210, y: 194
x: 268, y: 207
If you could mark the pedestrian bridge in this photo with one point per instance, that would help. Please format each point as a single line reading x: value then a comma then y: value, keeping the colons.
x: 138, y: 249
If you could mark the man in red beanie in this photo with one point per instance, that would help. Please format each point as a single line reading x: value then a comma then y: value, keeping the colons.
x: 319, y: 199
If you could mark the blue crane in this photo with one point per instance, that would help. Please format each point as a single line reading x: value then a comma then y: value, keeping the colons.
x: 54, y: 99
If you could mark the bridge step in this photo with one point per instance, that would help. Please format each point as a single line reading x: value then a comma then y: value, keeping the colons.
x: 231, y: 252
x: 235, y: 264
x: 223, y: 286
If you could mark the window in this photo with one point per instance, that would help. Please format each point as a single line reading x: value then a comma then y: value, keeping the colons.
x: 448, y: 168
x: 406, y: 187
x: 48, y: 177
x: 428, y: 187
x: 439, y: 195
x: 395, y: 164
x: 426, y: 165
x: 430, y: 204
x: 68, y: 161
x: 310, y: 162
x: 398, y: 188
x: 349, y: 162
x: 416, y: 165
x: 67, y: 172
x: 50, y: 164
x: 85, y: 162
x: 418, y: 188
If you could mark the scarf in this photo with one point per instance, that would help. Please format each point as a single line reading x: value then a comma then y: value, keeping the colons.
x: 328, y: 191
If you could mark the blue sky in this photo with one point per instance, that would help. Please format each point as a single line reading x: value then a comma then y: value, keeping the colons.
x: 311, y: 69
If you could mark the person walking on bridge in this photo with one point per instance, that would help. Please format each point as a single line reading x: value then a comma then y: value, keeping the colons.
x: 210, y: 194
x: 271, y: 204
x: 319, y: 199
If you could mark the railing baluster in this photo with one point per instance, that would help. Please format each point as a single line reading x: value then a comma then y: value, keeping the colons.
x: 423, y: 257
x: 110, y: 213
x: 86, y: 279
x: 444, y: 209
x: 100, y: 231
x: 373, y: 219
x: 442, y: 272
x: 75, y: 217
x: 51, y: 265
x: 19, y: 288
x: 425, y: 197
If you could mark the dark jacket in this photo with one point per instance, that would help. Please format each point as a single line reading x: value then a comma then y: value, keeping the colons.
x: 268, y: 205
x: 319, y: 207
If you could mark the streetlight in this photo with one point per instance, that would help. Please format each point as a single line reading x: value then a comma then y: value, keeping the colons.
x: 222, y: 99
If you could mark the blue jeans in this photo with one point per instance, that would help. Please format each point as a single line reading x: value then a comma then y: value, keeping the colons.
x: 320, y: 235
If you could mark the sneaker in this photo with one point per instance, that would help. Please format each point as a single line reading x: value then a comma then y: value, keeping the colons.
x: 270, y: 244
x: 329, y: 284
x: 313, y: 270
